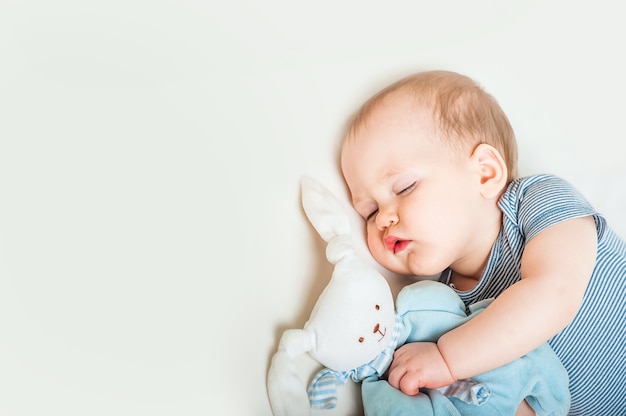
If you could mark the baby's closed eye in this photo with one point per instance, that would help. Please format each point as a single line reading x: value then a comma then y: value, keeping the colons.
x: 407, y: 189
x: 371, y: 215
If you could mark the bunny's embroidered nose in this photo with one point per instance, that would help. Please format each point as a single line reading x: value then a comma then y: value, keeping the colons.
x: 382, y: 333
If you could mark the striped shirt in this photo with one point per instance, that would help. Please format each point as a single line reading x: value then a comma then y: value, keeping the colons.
x: 593, y: 346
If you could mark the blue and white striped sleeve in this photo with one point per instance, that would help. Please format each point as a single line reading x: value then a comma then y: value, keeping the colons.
x: 545, y: 200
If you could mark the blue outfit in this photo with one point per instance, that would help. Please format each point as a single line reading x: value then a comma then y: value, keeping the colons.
x: 424, y: 311
x: 592, y: 347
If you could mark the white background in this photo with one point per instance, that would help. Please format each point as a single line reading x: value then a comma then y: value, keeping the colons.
x: 152, y: 243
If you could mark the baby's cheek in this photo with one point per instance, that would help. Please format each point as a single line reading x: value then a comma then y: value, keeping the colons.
x: 377, y: 249
x: 372, y: 240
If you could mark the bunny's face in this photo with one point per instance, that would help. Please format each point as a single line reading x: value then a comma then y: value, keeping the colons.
x: 354, y: 317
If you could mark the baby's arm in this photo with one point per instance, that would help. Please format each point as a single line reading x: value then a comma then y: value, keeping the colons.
x: 556, y: 267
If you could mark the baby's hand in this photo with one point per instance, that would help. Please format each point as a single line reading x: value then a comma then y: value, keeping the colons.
x: 418, y: 364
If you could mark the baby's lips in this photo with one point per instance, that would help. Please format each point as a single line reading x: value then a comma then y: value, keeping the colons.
x: 390, y: 242
x: 395, y: 244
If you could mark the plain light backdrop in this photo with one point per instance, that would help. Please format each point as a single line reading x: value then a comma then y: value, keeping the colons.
x: 152, y: 243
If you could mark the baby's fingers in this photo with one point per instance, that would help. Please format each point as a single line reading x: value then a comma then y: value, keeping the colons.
x: 394, y: 375
x: 404, y: 381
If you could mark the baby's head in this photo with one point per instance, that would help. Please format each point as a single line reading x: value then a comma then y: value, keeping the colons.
x: 426, y: 160
x: 464, y: 115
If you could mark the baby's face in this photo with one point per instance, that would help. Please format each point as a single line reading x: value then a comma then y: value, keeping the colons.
x: 421, y: 201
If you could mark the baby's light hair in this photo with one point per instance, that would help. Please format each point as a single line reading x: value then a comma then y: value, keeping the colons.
x: 466, y: 115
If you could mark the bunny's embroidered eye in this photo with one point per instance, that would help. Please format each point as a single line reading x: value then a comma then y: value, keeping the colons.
x: 361, y: 339
x: 377, y: 307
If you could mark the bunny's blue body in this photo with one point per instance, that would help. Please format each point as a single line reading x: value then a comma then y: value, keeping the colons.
x: 428, y: 310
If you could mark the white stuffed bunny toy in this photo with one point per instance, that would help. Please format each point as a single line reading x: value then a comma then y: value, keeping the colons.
x: 354, y: 329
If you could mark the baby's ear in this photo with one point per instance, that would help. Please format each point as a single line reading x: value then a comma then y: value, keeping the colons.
x: 491, y: 169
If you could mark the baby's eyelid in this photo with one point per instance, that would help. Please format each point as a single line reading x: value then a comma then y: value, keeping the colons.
x: 367, y: 210
x: 371, y: 215
x: 407, y: 189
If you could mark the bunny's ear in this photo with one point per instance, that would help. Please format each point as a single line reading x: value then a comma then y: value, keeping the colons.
x: 325, y: 212
x: 287, y: 393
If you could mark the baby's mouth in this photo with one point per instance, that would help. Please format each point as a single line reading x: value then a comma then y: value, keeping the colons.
x: 395, y: 244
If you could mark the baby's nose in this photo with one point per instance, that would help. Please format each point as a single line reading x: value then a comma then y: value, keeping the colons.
x: 386, y: 218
